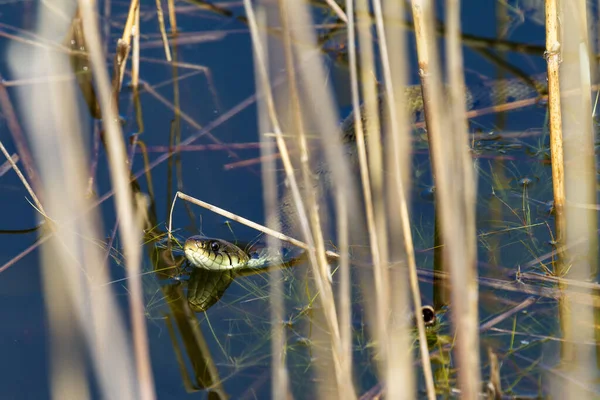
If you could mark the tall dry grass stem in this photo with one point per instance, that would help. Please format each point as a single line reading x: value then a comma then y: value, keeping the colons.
x: 320, y: 110
x: 580, y: 224
x: 462, y: 185
x: 371, y: 170
x: 398, y: 134
x: 280, y: 377
x: 72, y: 263
x: 129, y: 229
x: 345, y: 391
x: 553, y: 56
x: 163, y: 32
x: 455, y: 200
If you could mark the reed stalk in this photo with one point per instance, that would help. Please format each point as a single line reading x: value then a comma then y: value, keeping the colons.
x: 129, y: 228
x: 72, y: 264
x: 398, y: 134
x: 462, y: 183
x: 279, y: 372
x: 579, y: 236
x: 454, y: 182
x: 316, y: 252
x: 552, y: 55
x: 371, y: 169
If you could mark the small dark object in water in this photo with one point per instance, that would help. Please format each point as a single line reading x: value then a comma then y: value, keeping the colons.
x: 428, y: 193
x: 527, y: 182
x: 429, y: 316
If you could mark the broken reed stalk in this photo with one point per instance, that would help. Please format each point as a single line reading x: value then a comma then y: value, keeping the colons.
x: 371, y: 176
x: 163, y: 32
x: 280, y: 377
x: 318, y: 263
x: 126, y: 37
x: 454, y: 198
x: 119, y: 172
x: 580, y: 261
x: 463, y: 251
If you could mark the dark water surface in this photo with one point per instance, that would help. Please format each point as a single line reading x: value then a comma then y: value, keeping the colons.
x: 236, y: 330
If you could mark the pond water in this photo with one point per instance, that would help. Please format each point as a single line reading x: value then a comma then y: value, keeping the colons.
x: 232, y: 345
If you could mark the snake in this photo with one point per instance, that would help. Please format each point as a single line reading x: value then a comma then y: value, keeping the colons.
x: 217, y: 262
x: 220, y: 255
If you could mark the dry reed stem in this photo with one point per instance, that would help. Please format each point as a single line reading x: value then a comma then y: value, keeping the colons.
x: 345, y: 290
x: 127, y: 34
x: 128, y: 228
x: 321, y: 278
x: 135, y: 61
x: 345, y: 391
x: 319, y: 108
x: 15, y: 167
x: 337, y: 10
x: 580, y: 187
x: 454, y: 199
x: 7, y: 165
x: 163, y: 32
x: 279, y: 373
x: 173, y: 18
x: 553, y: 49
x: 243, y: 221
x: 56, y: 139
x: 370, y: 172
x: 465, y: 291
x: 400, y: 139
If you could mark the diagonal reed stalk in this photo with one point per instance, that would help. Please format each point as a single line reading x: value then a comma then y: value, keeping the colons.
x: 316, y: 251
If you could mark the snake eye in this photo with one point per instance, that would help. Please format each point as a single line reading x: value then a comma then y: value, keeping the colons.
x: 214, y: 246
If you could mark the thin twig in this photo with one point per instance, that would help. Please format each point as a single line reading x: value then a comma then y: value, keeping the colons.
x: 243, y: 221
x: 14, y: 166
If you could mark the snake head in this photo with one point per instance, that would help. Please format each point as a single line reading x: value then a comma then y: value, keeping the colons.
x: 214, y: 254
